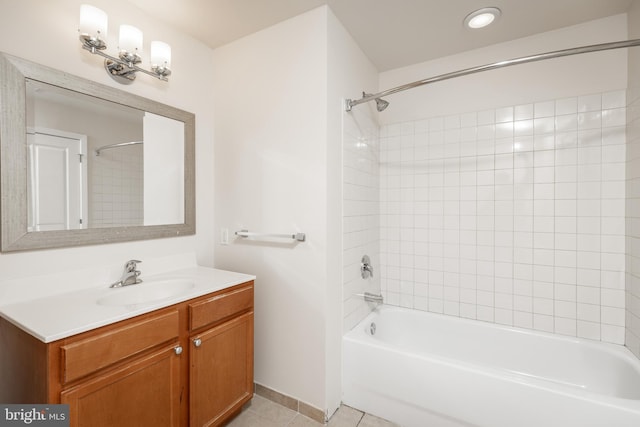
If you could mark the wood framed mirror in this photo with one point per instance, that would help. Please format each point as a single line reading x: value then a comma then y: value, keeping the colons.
x: 82, y: 163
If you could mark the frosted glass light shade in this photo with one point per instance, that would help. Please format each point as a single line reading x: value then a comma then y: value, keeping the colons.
x: 130, y: 39
x: 93, y: 21
x: 160, y: 54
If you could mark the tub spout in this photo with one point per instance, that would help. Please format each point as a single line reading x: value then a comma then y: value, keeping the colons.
x: 369, y: 297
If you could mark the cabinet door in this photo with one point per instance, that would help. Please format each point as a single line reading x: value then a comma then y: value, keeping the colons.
x: 221, y: 376
x: 145, y: 392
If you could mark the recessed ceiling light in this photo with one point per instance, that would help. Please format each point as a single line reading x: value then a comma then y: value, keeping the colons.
x: 482, y: 17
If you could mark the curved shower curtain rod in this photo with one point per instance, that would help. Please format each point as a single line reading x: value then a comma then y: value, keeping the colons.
x: 350, y: 103
x: 120, y: 144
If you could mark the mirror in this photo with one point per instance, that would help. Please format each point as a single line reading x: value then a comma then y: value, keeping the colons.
x: 83, y: 163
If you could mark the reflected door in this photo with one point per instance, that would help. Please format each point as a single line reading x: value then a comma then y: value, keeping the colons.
x: 57, y: 184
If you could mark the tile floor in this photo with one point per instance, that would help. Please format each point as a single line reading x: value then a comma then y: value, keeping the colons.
x: 261, y: 412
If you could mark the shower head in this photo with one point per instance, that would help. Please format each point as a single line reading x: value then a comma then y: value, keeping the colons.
x: 381, y: 104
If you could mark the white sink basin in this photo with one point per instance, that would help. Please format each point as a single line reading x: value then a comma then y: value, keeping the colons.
x: 146, y: 292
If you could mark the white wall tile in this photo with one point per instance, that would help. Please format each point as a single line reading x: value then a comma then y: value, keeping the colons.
x: 616, y: 99
x: 519, y: 214
x: 362, y: 208
x: 544, y: 109
x: 566, y: 106
x: 590, y: 103
x: 612, y: 297
x: 523, y: 112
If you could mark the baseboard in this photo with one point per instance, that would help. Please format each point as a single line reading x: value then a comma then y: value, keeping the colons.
x: 289, y: 402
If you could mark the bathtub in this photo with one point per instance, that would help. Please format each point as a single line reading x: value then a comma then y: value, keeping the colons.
x: 421, y: 369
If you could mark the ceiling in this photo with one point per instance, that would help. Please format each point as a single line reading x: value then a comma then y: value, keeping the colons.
x: 392, y: 33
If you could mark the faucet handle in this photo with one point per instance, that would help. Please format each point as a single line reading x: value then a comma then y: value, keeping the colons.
x: 131, y: 265
x: 366, y: 269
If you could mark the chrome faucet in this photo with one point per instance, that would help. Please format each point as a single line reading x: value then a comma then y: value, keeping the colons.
x: 366, y: 269
x: 130, y: 276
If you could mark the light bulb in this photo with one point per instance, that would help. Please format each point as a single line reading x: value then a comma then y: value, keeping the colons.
x: 93, y: 22
x: 482, y: 17
x: 130, y: 39
x: 160, y: 54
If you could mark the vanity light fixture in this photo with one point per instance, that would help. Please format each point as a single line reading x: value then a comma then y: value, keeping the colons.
x: 482, y: 17
x: 123, y: 68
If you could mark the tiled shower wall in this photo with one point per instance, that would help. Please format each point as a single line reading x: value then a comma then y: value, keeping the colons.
x: 632, y: 340
x: 632, y: 306
x: 117, y: 187
x: 361, y: 226
x: 514, y: 216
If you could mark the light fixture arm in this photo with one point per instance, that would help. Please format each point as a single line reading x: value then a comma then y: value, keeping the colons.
x: 119, y: 69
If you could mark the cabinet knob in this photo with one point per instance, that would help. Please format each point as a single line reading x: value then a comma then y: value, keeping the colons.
x: 197, y: 342
x: 178, y: 350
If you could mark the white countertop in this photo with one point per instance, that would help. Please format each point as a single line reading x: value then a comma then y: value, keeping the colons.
x: 60, y: 316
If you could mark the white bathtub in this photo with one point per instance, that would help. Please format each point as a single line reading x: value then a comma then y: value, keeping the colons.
x: 421, y: 369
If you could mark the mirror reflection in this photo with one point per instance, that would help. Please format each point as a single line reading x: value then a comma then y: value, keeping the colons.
x: 93, y: 163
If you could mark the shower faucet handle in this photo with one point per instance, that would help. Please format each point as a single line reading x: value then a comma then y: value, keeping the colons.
x: 366, y: 269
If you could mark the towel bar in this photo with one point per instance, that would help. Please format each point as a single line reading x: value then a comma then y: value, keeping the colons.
x: 300, y: 237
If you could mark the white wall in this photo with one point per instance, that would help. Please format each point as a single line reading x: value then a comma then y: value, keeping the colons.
x: 52, y: 40
x: 270, y: 102
x: 502, y: 198
x: 632, y: 338
x: 283, y: 173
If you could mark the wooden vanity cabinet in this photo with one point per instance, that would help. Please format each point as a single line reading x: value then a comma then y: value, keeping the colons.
x: 127, y: 375
x: 221, y: 370
x: 190, y: 364
x: 144, y: 392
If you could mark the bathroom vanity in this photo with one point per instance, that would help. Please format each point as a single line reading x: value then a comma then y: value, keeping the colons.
x: 174, y: 350
x: 162, y: 363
